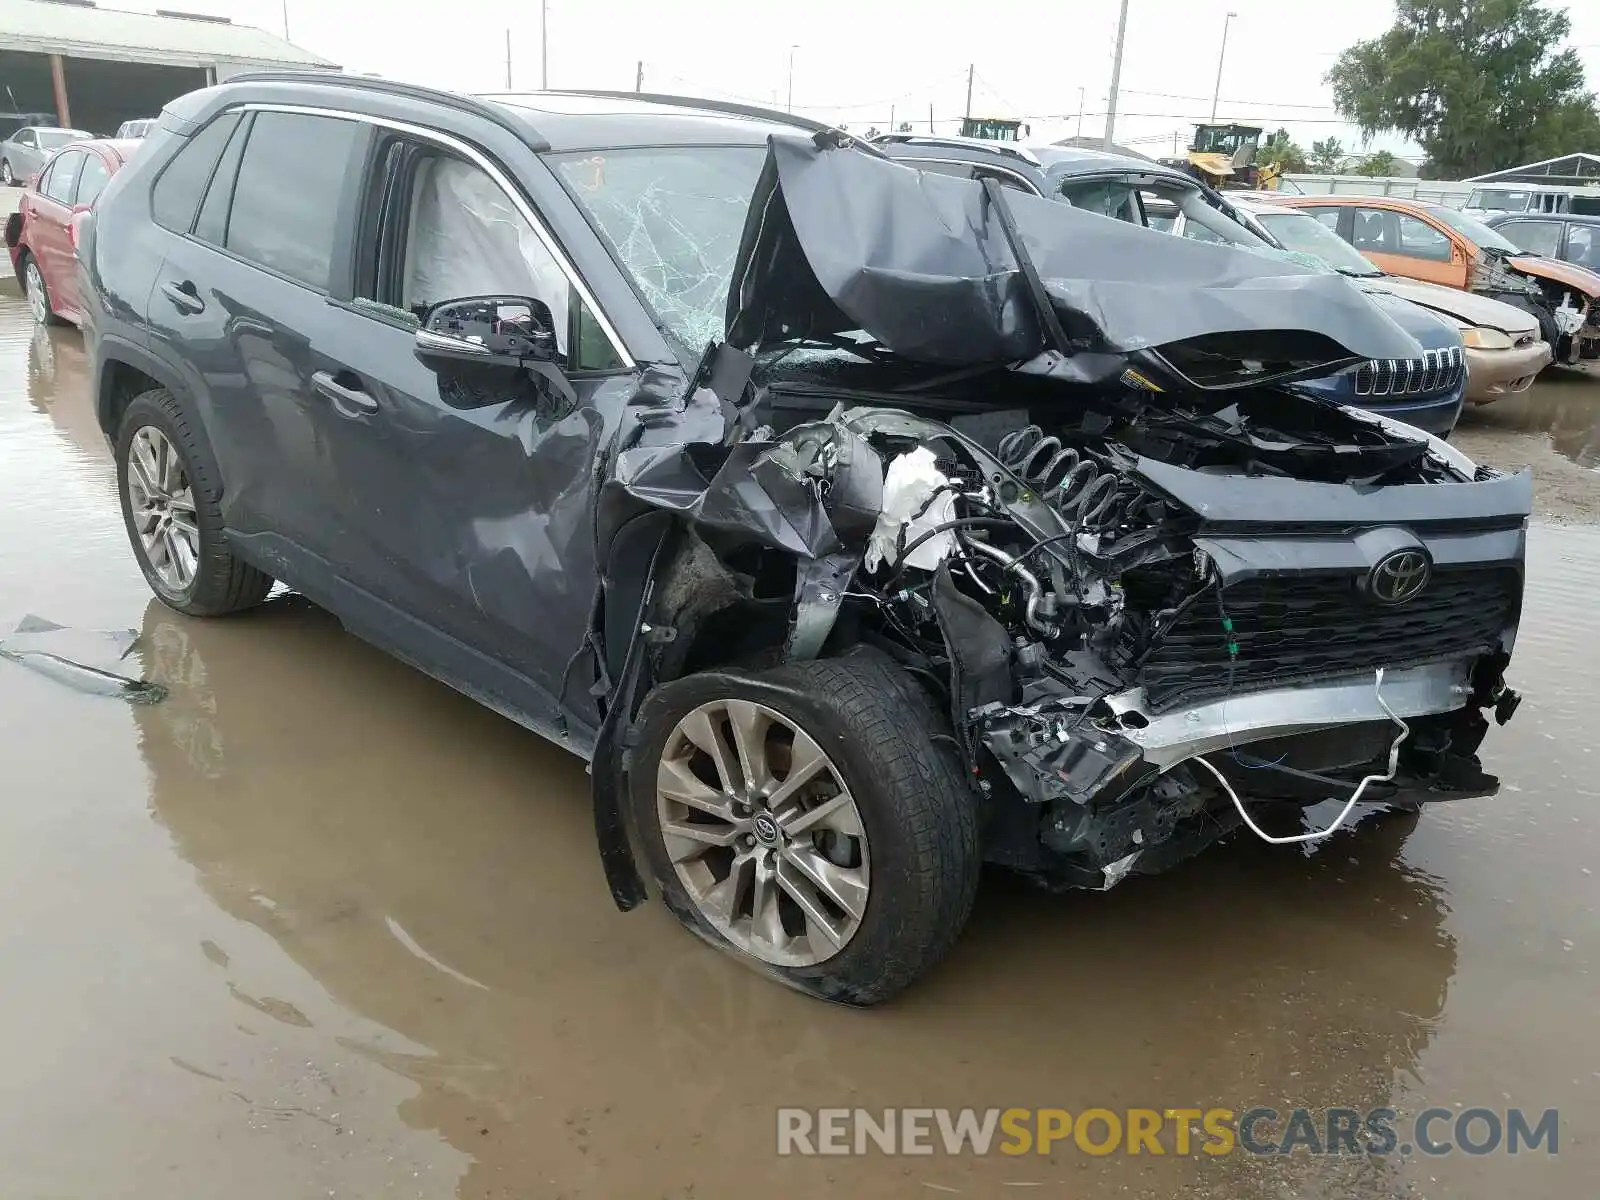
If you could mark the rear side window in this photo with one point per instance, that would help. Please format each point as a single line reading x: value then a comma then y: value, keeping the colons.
x: 93, y: 179
x: 177, y: 193
x: 212, y: 223
x: 63, y: 178
x: 288, y: 198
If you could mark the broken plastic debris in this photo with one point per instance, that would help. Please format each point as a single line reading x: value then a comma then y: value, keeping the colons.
x: 70, y: 656
x: 911, y: 482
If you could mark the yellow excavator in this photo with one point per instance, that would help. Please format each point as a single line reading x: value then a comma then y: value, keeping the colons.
x: 1224, y: 156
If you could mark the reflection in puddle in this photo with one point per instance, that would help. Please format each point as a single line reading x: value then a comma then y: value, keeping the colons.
x: 1563, y: 404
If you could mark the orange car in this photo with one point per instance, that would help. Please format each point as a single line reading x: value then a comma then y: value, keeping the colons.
x: 1441, y: 245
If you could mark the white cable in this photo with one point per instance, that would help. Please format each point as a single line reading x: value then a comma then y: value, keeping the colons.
x: 1394, y: 764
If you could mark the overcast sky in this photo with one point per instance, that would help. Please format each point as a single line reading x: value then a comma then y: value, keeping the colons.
x: 862, y: 61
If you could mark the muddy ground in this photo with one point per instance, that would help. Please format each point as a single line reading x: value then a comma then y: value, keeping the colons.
x: 317, y: 926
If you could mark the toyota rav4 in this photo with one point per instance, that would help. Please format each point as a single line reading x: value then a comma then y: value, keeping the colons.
x: 858, y: 525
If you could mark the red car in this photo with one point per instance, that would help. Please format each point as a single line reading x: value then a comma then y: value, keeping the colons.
x: 42, y: 234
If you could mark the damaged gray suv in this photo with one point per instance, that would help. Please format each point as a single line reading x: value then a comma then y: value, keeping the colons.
x: 859, y: 526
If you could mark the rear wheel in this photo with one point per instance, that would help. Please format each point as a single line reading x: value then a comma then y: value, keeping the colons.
x: 171, y: 494
x: 38, y: 294
x: 812, y: 818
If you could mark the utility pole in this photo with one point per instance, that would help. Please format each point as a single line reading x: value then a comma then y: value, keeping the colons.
x: 544, y: 45
x: 638, y: 77
x: 792, y: 49
x: 891, y: 118
x: 971, y: 67
x: 1116, y: 76
x: 1221, y: 54
x: 508, y: 60
x: 930, y: 116
x: 286, y: 20
x: 1078, y: 132
x: 1174, y: 143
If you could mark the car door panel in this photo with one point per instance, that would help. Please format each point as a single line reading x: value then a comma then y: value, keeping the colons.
x: 48, y: 237
x: 477, y: 520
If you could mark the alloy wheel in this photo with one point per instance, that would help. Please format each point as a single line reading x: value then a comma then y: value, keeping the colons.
x: 161, y: 504
x: 763, y: 833
x: 38, y: 301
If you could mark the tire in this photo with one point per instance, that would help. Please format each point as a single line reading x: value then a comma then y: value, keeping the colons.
x: 38, y: 294
x: 217, y: 583
x: 1541, y: 313
x: 890, y: 749
x: 6, y: 177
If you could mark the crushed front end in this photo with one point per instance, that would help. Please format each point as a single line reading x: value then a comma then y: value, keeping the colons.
x: 1140, y: 654
x: 1160, y: 594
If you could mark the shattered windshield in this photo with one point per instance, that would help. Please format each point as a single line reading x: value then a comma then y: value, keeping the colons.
x: 673, y: 216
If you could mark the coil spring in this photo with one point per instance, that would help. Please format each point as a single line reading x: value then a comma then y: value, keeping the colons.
x: 1073, y: 484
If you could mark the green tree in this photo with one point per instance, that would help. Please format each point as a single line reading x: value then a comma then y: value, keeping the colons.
x: 1326, y: 156
x: 1280, y: 151
x: 1479, y: 84
x: 1378, y: 164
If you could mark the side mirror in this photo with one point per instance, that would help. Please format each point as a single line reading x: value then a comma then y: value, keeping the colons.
x: 505, y: 332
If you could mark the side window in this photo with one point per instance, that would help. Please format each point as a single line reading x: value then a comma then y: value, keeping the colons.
x: 211, y: 225
x: 1107, y: 199
x: 1418, y: 239
x: 1006, y: 180
x: 63, y: 180
x: 1583, y: 246
x: 26, y: 138
x: 183, y: 181
x: 1374, y: 230
x: 93, y: 179
x: 1536, y: 237
x: 289, y: 192
x: 1328, y: 216
x: 462, y: 235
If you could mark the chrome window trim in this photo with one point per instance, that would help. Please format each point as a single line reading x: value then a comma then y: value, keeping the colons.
x: 482, y: 161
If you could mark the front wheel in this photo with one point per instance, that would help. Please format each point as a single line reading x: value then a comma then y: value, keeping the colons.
x: 1539, y: 311
x: 171, y: 494
x: 812, y: 818
x: 6, y: 177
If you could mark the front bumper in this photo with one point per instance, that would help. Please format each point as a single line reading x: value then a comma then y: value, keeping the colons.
x: 1495, y: 373
x: 1434, y: 414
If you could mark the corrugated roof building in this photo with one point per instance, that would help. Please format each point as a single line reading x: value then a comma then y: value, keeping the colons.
x: 93, y: 68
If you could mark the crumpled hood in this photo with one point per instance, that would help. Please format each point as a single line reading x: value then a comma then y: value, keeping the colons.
x: 839, y: 240
x: 1574, y: 276
x: 1455, y: 303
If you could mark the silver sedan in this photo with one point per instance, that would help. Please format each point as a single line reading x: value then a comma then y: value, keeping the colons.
x: 27, y: 150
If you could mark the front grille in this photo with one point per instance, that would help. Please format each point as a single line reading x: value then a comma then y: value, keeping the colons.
x: 1435, y: 371
x: 1302, y: 628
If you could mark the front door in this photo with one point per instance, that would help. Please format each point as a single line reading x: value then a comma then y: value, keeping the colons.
x: 1403, y: 244
x: 470, y: 510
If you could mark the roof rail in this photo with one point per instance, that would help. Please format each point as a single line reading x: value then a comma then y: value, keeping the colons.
x: 729, y: 107
x: 934, y: 139
x: 409, y: 91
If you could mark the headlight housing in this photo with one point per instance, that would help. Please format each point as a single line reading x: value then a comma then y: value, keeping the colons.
x: 1483, y: 338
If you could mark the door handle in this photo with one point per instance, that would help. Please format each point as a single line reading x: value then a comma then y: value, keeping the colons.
x: 348, y: 400
x: 184, y: 296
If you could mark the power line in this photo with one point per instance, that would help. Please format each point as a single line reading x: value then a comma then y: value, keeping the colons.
x: 1225, y: 100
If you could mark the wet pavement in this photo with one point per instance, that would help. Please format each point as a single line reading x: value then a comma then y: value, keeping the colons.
x: 317, y: 926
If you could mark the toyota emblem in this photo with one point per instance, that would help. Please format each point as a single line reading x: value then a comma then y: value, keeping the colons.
x: 766, y: 829
x: 1399, y: 578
